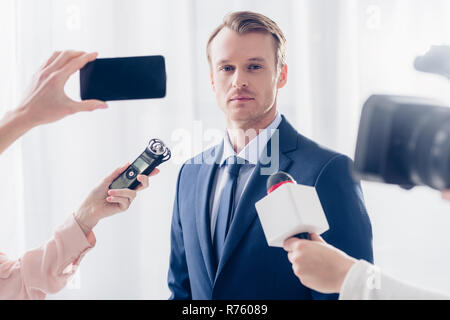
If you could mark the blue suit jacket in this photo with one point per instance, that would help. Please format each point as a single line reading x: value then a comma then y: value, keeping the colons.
x: 249, y: 268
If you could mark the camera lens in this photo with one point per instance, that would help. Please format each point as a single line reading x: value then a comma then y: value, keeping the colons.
x: 430, y: 155
x: 405, y: 141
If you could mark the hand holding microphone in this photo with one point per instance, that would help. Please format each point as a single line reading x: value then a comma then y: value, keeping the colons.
x: 290, y: 214
x: 322, y: 267
x: 318, y: 265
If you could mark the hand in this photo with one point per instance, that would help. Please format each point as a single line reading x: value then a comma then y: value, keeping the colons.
x: 46, y: 101
x: 317, y: 264
x: 446, y: 194
x: 102, y: 202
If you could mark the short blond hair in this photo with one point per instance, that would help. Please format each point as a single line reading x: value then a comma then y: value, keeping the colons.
x: 246, y: 21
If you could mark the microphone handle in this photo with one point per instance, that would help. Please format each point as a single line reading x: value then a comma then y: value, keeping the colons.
x: 303, y: 235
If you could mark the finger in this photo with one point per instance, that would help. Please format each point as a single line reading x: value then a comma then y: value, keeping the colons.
x: 143, y: 179
x: 291, y: 257
x: 51, y: 59
x: 77, y: 63
x: 116, y: 173
x: 289, y: 244
x: 144, y: 183
x: 316, y: 237
x: 123, y: 203
x: 63, y: 59
x: 296, y: 270
x: 154, y: 172
x: 88, y: 105
x: 125, y: 193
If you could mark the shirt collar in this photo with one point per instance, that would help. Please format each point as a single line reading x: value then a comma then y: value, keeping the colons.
x: 252, y: 151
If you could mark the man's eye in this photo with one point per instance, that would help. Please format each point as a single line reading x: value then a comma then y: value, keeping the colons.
x: 255, y: 67
x: 226, y: 68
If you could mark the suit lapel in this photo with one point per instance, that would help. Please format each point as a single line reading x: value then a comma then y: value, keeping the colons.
x: 203, y: 186
x: 256, y: 189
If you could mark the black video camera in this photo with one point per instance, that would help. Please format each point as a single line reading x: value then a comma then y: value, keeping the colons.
x: 406, y: 140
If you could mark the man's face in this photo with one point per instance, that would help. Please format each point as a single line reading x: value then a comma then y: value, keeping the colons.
x: 244, y: 75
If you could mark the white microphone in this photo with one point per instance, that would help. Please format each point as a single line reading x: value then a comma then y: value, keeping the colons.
x: 289, y: 209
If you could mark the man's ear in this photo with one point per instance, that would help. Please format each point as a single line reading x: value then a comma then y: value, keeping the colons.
x: 212, y: 81
x: 282, y: 79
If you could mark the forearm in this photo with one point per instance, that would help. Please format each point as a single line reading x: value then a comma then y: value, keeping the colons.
x: 86, y: 220
x: 13, y: 125
x: 45, y: 269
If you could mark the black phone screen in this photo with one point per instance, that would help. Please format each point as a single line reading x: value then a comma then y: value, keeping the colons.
x: 123, y: 78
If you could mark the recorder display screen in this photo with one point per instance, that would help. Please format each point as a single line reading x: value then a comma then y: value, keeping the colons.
x: 140, y: 164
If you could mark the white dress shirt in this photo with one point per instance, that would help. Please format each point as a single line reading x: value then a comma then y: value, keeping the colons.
x: 251, y: 153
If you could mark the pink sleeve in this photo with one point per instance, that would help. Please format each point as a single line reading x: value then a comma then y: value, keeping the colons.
x: 48, y: 268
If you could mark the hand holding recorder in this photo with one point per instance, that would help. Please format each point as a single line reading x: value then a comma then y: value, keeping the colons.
x: 102, y: 202
x: 119, y: 189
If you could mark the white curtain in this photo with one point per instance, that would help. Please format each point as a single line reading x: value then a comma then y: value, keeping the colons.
x: 339, y: 52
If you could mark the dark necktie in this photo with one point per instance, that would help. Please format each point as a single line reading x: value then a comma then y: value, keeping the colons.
x: 226, y: 206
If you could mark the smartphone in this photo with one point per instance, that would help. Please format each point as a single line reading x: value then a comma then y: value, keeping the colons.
x: 124, y: 78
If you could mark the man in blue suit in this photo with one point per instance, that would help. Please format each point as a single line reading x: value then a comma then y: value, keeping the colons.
x: 218, y: 248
